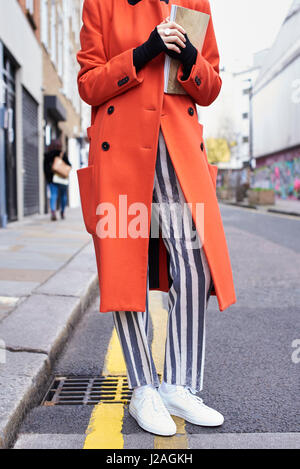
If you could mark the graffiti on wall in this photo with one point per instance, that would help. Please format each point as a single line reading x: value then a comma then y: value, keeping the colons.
x: 282, y: 176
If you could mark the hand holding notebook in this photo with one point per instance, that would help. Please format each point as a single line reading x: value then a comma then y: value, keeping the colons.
x: 195, y: 24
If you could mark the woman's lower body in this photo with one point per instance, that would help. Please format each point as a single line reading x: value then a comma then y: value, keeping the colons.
x: 61, y: 191
x: 187, y: 303
x: 187, y: 297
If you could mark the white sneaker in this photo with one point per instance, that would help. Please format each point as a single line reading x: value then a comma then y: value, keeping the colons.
x: 182, y: 403
x: 148, y: 409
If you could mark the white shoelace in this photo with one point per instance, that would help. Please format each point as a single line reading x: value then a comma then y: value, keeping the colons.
x: 186, y: 392
x: 156, y: 401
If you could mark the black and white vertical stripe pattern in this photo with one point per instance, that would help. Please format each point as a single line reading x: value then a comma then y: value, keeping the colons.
x: 187, y: 301
x: 133, y: 332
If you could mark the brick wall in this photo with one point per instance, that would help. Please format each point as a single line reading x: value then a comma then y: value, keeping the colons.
x: 34, y: 20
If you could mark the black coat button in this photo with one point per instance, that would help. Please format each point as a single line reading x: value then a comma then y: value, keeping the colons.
x: 111, y: 109
x: 197, y: 80
x: 123, y: 81
x: 191, y: 111
x: 105, y: 146
x: 202, y: 146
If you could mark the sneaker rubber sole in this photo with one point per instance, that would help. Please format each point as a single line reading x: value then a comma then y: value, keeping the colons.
x: 184, y: 416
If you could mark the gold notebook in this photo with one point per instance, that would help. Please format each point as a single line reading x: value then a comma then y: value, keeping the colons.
x: 195, y: 24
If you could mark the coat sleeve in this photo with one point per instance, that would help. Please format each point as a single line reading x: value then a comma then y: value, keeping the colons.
x: 204, y: 82
x: 100, y: 79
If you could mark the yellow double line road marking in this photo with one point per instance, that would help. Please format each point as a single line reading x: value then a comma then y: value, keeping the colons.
x: 105, y: 426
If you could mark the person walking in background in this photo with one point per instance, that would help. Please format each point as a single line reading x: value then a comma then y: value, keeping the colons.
x: 58, y: 186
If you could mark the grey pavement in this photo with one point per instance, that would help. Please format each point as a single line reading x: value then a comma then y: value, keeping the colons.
x: 281, y: 206
x: 50, y: 441
x: 33, y: 250
x: 48, y: 277
x: 288, y: 206
x: 250, y: 374
x: 146, y: 441
x: 245, y: 441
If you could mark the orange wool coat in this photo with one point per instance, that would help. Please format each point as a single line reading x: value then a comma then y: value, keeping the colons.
x: 128, y: 109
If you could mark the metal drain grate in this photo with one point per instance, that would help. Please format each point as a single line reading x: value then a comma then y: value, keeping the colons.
x: 88, y: 391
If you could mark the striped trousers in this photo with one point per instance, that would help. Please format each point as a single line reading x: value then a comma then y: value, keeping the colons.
x: 187, y: 297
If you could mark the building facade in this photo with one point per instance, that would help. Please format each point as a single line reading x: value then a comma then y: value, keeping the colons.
x: 229, y: 118
x: 276, y: 112
x: 39, y: 100
x: 21, y: 111
x: 228, y: 123
x: 60, y: 27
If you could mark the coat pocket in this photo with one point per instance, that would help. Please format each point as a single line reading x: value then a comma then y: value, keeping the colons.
x: 213, y: 169
x: 89, y: 132
x: 87, y: 196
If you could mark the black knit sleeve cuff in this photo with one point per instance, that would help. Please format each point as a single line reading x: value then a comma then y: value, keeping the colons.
x: 148, y: 50
x: 188, y: 65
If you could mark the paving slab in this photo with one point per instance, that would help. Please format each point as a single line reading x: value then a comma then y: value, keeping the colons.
x: 20, y: 375
x: 50, y: 441
x: 73, y: 279
x: 145, y: 441
x: 40, y: 323
x: 67, y: 282
x: 35, y: 259
x: 245, y: 441
x: 283, y: 207
x: 84, y: 259
x: 25, y: 275
x: 13, y: 288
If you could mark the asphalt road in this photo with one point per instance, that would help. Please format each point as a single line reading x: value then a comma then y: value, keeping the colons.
x: 250, y: 375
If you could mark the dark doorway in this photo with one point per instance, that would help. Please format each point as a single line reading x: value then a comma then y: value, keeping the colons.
x: 30, y: 154
x: 9, y: 77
